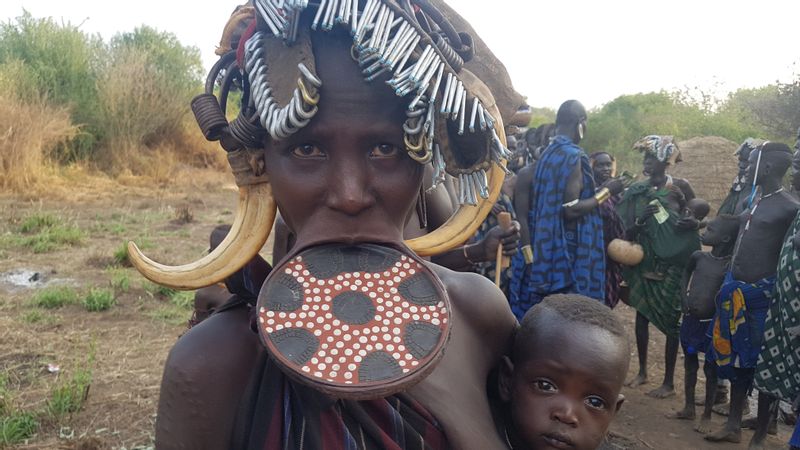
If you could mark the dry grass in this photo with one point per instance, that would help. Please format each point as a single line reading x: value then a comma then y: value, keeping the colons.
x: 29, y: 130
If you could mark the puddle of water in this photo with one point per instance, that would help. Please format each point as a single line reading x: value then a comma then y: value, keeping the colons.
x: 19, y: 279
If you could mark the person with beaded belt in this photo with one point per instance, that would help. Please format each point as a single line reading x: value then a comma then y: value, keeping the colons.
x: 651, y: 211
x: 562, y: 250
x: 343, y: 104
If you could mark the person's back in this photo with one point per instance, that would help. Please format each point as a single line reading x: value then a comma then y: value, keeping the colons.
x: 566, y: 250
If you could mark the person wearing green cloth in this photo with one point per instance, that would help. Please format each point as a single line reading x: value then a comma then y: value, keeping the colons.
x: 651, y: 211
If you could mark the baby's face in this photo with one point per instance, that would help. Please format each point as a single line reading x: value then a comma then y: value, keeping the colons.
x: 566, y: 393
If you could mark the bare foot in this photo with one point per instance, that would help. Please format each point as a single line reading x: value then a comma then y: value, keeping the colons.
x: 662, y: 392
x: 703, y: 425
x: 638, y: 381
x: 756, y: 445
x: 749, y: 423
x: 725, y: 435
x: 684, y: 414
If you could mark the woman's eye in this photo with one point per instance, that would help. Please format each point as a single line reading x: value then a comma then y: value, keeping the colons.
x: 545, y: 386
x: 308, y: 151
x: 596, y: 402
x: 384, y: 151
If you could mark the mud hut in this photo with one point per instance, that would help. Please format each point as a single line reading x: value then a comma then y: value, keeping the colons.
x: 710, y: 166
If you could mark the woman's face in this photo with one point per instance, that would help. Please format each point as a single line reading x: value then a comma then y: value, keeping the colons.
x: 602, y: 168
x: 652, y: 166
x: 345, y: 177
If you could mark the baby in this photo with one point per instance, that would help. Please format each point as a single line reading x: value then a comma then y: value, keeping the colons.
x: 562, y: 384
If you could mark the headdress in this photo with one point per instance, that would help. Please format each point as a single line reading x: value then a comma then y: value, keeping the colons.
x: 453, y: 118
x: 749, y: 145
x: 662, y: 147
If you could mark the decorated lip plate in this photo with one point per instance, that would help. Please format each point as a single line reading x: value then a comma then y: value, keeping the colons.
x: 354, y: 321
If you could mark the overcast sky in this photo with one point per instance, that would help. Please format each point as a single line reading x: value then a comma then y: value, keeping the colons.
x: 586, y: 49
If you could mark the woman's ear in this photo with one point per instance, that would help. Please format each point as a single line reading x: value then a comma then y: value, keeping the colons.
x: 504, y: 379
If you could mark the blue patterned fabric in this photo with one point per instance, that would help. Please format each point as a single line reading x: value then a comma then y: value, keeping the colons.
x: 565, y: 259
x: 738, y: 327
x: 795, y: 440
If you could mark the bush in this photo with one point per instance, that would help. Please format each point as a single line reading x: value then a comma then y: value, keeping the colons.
x: 619, y: 123
x: 31, y: 128
x: 55, y: 297
x: 144, y: 93
x: 99, y: 300
x: 60, y: 62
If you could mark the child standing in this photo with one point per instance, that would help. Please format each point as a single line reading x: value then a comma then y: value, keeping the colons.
x: 701, y: 281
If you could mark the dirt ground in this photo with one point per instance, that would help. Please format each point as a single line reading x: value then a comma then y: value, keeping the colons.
x: 126, y: 346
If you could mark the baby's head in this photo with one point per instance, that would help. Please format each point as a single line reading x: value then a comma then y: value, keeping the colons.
x: 697, y: 208
x: 564, y: 378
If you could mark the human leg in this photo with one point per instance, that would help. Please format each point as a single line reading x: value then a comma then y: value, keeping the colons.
x: 712, y: 381
x: 767, y: 415
x: 642, y: 337
x: 667, y: 388
x: 690, y: 366
x: 740, y: 385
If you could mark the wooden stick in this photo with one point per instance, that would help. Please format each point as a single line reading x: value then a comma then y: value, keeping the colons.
x: 504, y: 221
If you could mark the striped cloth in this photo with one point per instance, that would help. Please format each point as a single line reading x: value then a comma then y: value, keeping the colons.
x: 283, y: 414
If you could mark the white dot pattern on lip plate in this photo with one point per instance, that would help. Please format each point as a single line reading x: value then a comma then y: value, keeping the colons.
x: 353, y: 342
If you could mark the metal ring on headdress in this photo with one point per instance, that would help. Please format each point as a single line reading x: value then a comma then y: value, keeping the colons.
x: 424, y: 159
x: 417, y: 128
x: 299, y: 110
x: 309, y: 76
x: 412, y: 147
x: 306, y: 96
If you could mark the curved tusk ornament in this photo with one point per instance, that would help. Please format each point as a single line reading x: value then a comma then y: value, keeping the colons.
x: 463, y: 224
x: 251, y: 227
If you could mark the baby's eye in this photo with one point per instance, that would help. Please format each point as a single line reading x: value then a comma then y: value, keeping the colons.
x: 595, y: 402
x: 308, y: 151
x: 545, y: 386
x: 384, y: 151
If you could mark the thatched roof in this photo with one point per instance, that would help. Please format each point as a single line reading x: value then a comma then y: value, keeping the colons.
x: 710, y: 166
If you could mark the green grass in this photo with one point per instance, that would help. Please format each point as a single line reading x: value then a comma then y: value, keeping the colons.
x: 55, y: 297
x: 16, y: 427
x: 38, y: 222
x: 120, y: 279
x: 178, y: 307
x: 156, y: 290
x: 44, y: 233
x: 68, y: 396
x: 35, y: 316
x: 121, y: 255
x: 98, y: 299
